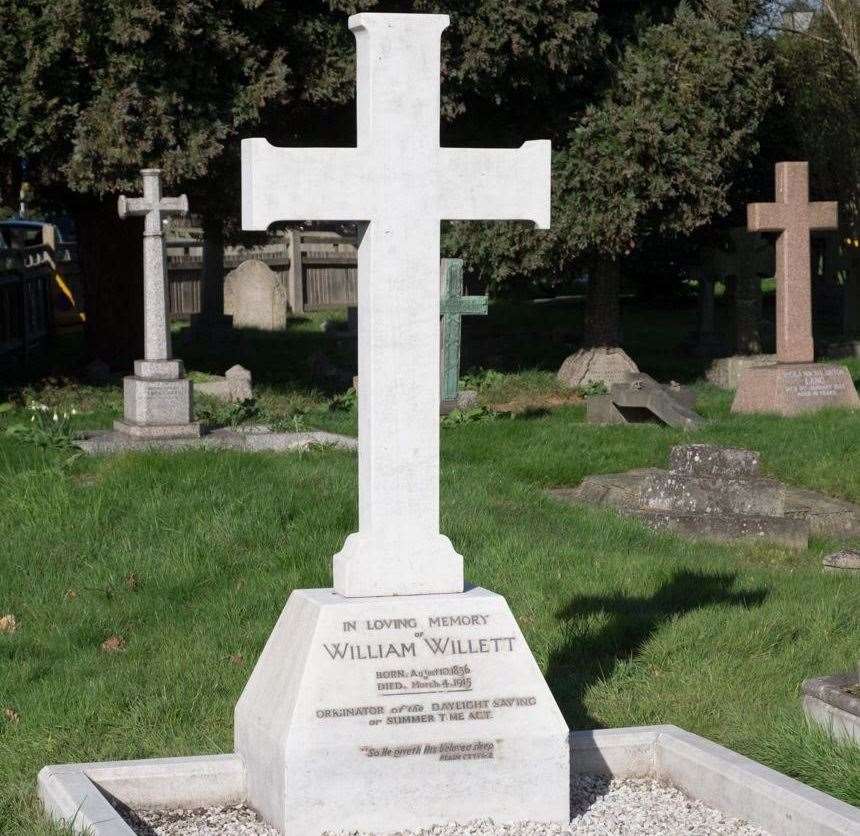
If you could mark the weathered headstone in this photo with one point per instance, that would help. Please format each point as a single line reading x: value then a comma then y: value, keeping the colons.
x: 795, y: 384
x: 640, y: 399
x: 255, y: 297
x: 454, y: 306
x: 596, y: 365
x: 157, y: 398
x: 397, y: 699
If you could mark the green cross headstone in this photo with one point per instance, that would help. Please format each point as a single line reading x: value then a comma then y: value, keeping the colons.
x: 454, y: 307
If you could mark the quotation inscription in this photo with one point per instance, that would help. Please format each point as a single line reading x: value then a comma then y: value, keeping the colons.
x: 433, y: 685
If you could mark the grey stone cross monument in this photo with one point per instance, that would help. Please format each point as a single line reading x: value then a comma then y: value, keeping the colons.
x: 397, y: 699
x: 157, y: 397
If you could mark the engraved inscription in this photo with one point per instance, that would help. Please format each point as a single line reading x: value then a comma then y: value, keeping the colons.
x: 814, y: 383
x: 434, y: 680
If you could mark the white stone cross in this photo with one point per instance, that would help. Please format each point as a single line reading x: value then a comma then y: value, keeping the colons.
x: 154, y: 208
x: 400, y: 183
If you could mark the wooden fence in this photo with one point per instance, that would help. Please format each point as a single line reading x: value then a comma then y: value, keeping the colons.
x: 26, y: 308
x: 323, y: 276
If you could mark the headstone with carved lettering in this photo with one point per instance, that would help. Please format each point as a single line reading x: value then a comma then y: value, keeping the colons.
x: 795, y: 384
x: 398, y: 699
x: 158, y: 396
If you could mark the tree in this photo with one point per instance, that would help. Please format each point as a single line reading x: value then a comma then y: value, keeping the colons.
x: 653, y: 155
x: 816, y: 117
x: 93, y: 90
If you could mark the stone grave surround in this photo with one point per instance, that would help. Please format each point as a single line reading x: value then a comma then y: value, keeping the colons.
x: 157, y: 397
x: 718, y: 493
x: 795, y: 384
x: 399, y: 677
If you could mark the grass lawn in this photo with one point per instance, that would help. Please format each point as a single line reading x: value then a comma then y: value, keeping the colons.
x: 182, y: 564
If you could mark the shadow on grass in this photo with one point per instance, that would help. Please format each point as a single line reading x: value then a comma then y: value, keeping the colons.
x: 632, y: 621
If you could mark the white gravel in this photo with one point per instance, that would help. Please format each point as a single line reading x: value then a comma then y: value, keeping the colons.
x: 635, y: 807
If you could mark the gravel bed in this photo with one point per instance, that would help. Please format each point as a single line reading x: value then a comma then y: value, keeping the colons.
x: 634, y: 807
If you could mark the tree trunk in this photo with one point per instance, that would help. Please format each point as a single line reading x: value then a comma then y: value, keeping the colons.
x: 602, y: 305
x: 212, y: 297
x: 111, y: 256
x: 10, y: 182
x: 748, y: 315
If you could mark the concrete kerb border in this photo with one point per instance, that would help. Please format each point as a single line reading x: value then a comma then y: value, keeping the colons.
x: 77, y: 794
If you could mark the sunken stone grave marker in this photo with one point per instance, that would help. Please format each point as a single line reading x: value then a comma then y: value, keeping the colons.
x: 157, y: 398
x: 398, y: 677
x: 795, y: 384
x: 639, y: 399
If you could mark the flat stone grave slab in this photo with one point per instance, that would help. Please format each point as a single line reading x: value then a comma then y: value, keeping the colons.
x: 252, y: 438
x: 654, y: 770
x: 692, y: 500
x: 834, y: 703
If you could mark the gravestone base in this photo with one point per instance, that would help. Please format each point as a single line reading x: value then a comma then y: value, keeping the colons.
x: 157, y: 405
x: 154, y: 432
x: 726, y: 372
x: 790, y: 389
x: 834, y: 703
x: 391, y: 713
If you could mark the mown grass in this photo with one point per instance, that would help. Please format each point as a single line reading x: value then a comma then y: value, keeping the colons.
x: 188, y: 559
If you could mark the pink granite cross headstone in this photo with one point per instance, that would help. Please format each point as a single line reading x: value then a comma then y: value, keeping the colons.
x: 794, y: 217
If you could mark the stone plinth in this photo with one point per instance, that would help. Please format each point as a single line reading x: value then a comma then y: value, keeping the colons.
x: 157, y: 408
x: 388, y: 713
x: 706, y: 460
x: 834, y: 703
x: 726, y: 372
x: 790, y: 389
x: 688, y: 493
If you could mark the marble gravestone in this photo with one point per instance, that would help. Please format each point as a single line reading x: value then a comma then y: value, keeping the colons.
x: 795, y: 384
x: 157, y: 397
x: 399, y: 698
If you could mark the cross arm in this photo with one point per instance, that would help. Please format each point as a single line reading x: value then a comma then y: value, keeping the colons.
x: 465, y: 305
x: 129, y: 207
x: 768, y: 217
x: 298, y: 184
x: 824, y: 215
x: 497, y: 183
x: 174, y: 205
